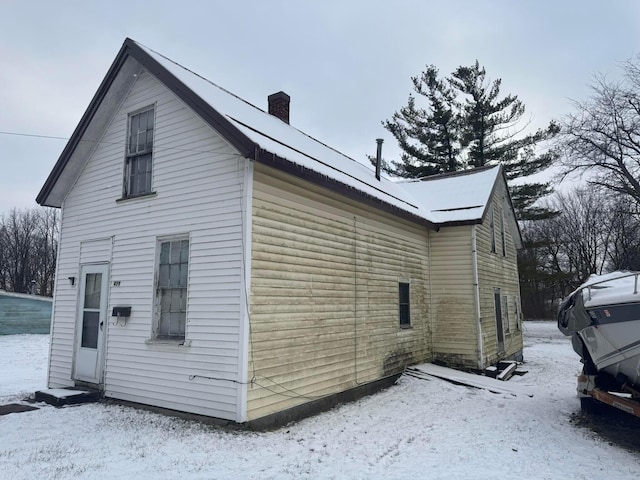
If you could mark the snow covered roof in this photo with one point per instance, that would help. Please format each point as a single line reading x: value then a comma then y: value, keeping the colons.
x: 448, y: 199
x: 458, y: 197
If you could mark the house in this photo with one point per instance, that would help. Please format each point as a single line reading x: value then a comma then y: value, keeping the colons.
x: 215, y: 260
x: 24, y: 313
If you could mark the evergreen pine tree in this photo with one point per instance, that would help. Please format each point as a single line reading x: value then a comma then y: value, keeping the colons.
x: 429, y: 137
x: 467, y: 124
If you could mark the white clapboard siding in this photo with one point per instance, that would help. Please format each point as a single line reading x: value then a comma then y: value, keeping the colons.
x: 497, y: 271
x: 198, y: 179
x: 324, y: 294
x: 453, y: 297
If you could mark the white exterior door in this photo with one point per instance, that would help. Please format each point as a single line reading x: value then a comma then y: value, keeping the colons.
x: 91, y: 323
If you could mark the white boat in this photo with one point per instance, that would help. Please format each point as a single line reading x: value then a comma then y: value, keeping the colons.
x: 603, y: 318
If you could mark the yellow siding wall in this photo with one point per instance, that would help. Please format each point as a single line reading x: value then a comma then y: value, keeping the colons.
x: 453, y: 297
x: 324, y: 294
x: 498, y: 271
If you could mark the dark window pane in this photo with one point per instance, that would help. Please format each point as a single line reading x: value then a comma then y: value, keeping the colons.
x: 135, y: 124
x: 404, y: 315
x: 163, y: 280
x: 176, y: 293
x: 165, y: 247
x: 184, y: 251
x: 175, y: 251
x: 142, y: 141
x: 165, y: 300
x: 183, y: 300
x: 174, y: 275
x: 404, y: 292
x: 183, y: 275
x: 90, y: 321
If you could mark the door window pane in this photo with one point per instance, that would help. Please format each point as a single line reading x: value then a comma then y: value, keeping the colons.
x: 90, y: 325
x: 92, y: 290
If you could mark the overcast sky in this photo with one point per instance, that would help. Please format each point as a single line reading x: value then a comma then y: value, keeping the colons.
x: 346, y: 64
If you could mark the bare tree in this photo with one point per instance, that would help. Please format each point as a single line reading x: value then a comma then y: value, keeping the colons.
x: 603, y: 136
x: 28, y: 246
x: 624, y: 249
x: 45, y: 251
x: 593, y: 233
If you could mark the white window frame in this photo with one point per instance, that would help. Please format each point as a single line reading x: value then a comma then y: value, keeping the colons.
x: 132, y: 157
x: 156, y: 335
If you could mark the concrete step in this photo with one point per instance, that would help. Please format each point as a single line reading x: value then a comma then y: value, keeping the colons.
x: 59, y: 397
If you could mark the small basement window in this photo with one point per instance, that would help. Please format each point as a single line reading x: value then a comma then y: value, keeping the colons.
x: 404, y: 306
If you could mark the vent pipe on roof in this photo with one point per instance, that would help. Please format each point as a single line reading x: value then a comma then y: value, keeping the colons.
x: 378, y: 157
x: 279, y: 105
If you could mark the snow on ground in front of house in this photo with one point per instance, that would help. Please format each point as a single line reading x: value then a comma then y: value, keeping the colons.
x: 23, y: 365
x: 415, y: 429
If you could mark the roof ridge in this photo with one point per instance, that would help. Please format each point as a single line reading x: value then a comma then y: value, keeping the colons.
x: 458, y: 173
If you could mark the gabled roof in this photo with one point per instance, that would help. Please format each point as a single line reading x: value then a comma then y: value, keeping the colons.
x: 455, y: 197
x: 463, y: 198
x: 458, y: 199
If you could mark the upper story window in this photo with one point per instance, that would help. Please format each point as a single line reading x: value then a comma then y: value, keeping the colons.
x: 139, y: 152
x: 492, y: 229
x: 502, y: 236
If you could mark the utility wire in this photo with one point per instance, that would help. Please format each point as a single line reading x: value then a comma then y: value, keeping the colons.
x: 122, y: 144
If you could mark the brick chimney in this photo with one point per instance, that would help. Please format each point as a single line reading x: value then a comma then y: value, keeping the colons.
x: 279, y: 106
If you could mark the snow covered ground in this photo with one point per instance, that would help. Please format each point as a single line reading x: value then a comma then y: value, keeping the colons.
x: 415, y: 429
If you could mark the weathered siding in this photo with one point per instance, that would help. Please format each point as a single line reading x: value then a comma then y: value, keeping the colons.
x: 324, y: 294
x: 198, y: 179
x: 498, y: 271
x: 453, y: 297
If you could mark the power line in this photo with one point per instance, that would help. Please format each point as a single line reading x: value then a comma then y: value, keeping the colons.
x: 122, y: 144
x: 18, y: 134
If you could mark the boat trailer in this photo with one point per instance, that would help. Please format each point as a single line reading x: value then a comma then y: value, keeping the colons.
x: 591, y: 396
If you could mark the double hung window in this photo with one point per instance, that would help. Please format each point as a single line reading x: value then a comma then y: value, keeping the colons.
x: 139, y: 154
x: 173, y: 274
